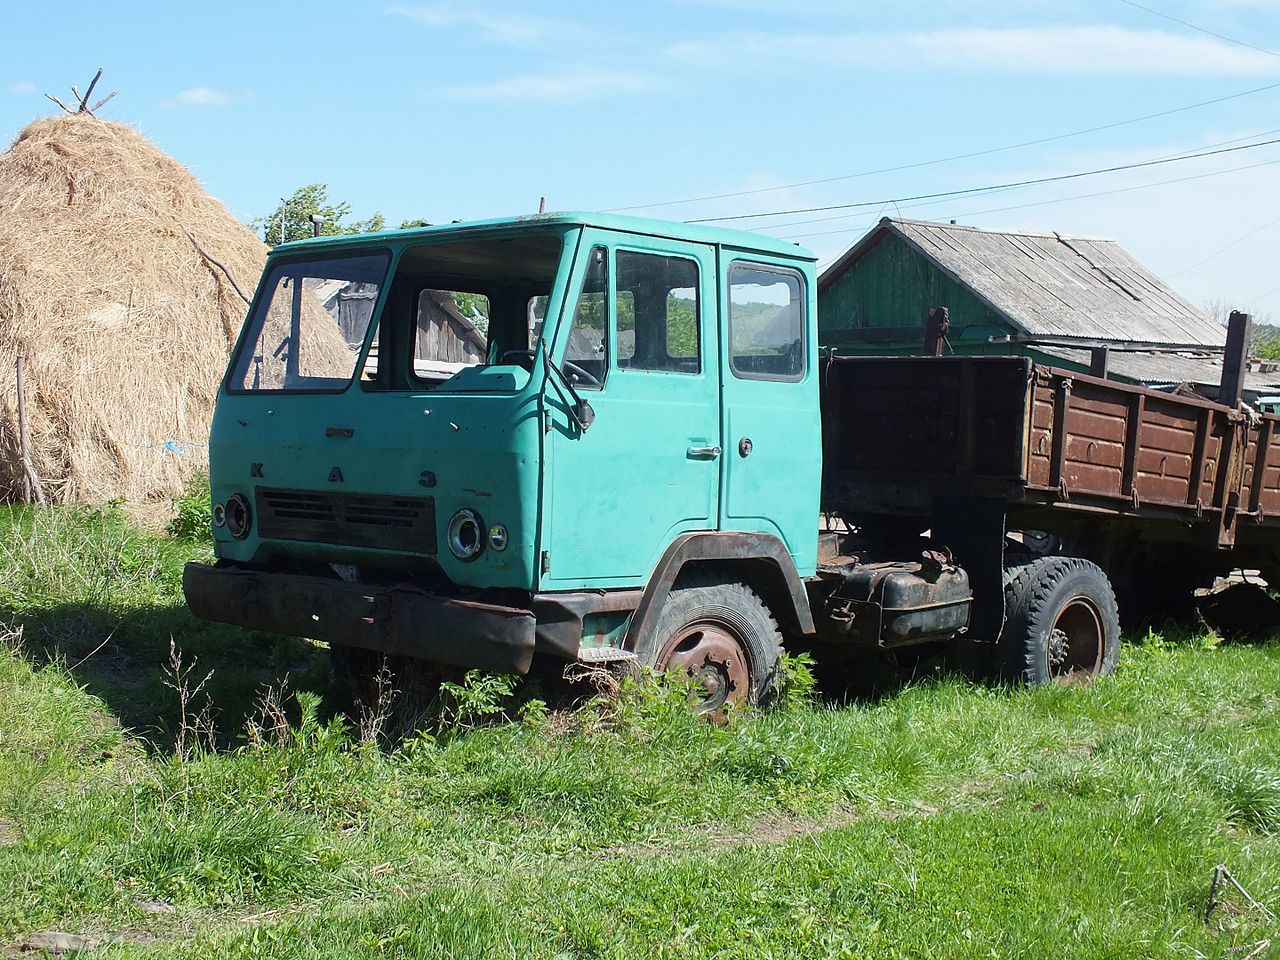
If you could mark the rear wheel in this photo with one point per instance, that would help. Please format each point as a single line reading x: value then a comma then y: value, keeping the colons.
x: 721, y: 633
x: 1061, y: 622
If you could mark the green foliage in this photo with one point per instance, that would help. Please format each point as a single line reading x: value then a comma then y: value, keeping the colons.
x: 1252, y: 795
x: 797, y: 682
x: 90, y: 589
x: 479, y: 698
x: 940, y: 819
x: 192, y: 518
x: 292, y: 219
x: 1266, y: 341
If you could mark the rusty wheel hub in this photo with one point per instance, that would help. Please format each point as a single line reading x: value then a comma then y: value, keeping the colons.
x: 715, y: 658
x: 1058, y: 644
x: 1076, y: 642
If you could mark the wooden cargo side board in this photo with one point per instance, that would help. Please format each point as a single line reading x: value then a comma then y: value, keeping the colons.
x: 1079, y: 440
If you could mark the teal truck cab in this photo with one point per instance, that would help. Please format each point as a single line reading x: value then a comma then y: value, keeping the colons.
x: 475, y: 442
x: 601, y: 438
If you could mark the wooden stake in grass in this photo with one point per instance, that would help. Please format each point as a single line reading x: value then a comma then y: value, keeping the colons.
x: 32, y: 490
x: 1222, y: 875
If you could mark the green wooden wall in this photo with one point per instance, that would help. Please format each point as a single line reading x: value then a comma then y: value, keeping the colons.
x: 879, y: 306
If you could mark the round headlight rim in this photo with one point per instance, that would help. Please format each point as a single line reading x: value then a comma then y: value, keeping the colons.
x: 453, y: 535
x: 235, y: 528
x: 498, y: 537
x: 219, y: 515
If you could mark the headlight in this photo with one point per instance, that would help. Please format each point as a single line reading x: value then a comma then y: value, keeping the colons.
x: 466, y: 534
x: 238, y: 516
x: 498, y: 537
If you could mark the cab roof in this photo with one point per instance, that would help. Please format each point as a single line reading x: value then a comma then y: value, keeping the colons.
x: 672, y: 230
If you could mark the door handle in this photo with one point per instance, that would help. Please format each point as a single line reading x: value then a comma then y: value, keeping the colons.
x: 704, y: 453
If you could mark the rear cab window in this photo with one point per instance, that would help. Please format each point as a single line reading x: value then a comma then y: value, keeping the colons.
x: 767, y: 322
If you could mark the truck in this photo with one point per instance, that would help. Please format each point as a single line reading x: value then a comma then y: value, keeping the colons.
x: 612, y: 440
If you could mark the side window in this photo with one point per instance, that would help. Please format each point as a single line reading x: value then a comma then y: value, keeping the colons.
x: 766, y: 322
x: 588, y: 346
x: 451, y: 331
x: 658, y: 316
x: 535, y: 314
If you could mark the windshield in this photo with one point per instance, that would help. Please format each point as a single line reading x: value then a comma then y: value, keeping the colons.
x: 310, y: 324
x: 456, y: 303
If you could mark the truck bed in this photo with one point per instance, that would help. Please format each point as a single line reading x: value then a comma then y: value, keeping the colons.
x: 900, y: 432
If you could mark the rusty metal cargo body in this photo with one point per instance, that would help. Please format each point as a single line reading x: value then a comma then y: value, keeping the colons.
x: 899, y: 432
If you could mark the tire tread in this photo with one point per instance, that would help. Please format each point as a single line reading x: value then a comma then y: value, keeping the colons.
x: 1029, y: 589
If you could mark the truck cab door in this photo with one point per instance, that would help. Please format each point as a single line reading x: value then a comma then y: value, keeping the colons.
x: 772, y: 465
x: 639, y: 321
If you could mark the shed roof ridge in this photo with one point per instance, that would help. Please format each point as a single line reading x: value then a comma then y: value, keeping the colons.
x: 995, y: 231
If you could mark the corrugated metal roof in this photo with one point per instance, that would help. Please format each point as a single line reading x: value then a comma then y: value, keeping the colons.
x: 1169, y: 369
x: 1049, y: 285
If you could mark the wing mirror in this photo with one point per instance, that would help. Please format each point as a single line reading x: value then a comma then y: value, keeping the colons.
x: 584, y: 414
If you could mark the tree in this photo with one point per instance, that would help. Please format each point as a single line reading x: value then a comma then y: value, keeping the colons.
x: 292, y: 219
x: 1265, y: 343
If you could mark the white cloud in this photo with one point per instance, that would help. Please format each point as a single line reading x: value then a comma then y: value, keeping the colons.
x: 21, y: 87
x: 562, y: 86
x: 1062, y: 50
x: 511, y: 29
x: 197, y: 97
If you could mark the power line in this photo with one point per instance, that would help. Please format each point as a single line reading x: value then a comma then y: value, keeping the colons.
x: 1261, y: 295
x: 959, y: 156
x: 1199, y: 29
x: 845, y: 216
x: 1220, y: 252
x: 992, y: 187
x: 1045, y: 203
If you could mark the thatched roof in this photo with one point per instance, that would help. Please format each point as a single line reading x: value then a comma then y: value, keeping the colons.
x: 109, y: 290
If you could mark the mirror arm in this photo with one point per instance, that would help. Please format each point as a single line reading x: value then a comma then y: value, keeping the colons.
x: 578, y: 409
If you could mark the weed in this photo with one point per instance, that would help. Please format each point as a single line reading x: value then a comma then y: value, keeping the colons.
x: 797, y: 681
x: 192, y: 512
x: 376, y: 715
x: 479, y: 698
x: 195, y: 723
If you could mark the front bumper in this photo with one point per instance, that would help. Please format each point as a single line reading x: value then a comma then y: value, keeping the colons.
x: 400, y: 620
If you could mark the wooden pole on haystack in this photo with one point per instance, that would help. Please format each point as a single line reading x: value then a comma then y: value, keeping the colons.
x: 32, y: 490
x: 83, y: 101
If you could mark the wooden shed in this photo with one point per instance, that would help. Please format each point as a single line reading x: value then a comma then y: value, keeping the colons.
x: 1046, y: 295
x: 445, y: 340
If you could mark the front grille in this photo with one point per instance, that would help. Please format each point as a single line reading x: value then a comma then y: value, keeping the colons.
x: 348, y: 519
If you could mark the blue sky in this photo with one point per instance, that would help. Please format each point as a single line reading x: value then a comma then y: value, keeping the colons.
x: 443, y: 109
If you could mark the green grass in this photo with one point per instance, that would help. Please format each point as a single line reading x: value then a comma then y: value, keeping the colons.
x: 942, y: 820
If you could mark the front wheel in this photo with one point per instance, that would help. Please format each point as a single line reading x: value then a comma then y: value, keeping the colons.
x: 722, y: 633
x: 1061, y: 622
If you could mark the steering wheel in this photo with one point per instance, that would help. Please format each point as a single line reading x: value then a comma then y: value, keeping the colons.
x: 522, y: 358
x: 569, y: 367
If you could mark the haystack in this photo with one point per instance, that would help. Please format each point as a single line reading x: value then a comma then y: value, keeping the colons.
x: 116, y: 287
